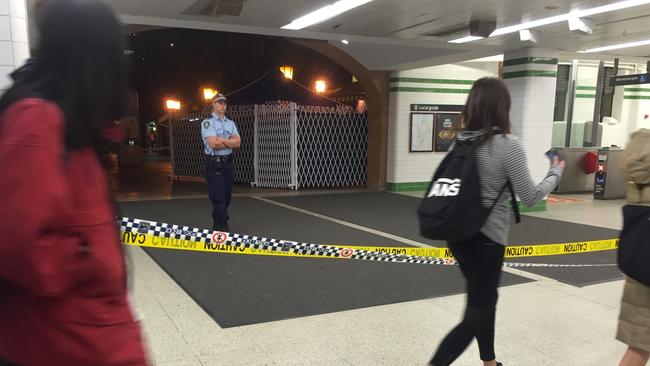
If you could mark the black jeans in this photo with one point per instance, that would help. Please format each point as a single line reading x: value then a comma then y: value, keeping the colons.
x: 220, y: 176
x: 480, y: 261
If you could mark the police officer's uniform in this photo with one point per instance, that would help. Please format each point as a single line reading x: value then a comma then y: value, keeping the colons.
x: 219, y: 168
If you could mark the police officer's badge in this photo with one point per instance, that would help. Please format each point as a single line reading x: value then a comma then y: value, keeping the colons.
x: 206, y: 124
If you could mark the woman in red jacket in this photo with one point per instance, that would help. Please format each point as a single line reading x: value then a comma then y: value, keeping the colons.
x: 63, y: 291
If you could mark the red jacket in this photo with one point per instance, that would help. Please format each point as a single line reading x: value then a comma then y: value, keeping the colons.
x: 64, y: 296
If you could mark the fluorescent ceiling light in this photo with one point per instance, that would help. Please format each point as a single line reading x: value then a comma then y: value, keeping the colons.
x: 495, y: 58
x: 529, y: 25
x: 465, y: 39
x: 565, y: 17
x: 618, y: 46
x: 324, y: 13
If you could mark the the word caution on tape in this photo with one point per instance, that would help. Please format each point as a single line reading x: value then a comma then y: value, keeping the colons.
x: 151, y: 234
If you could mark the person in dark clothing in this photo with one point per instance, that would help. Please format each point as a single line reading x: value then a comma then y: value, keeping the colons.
x: 220, y: 137
x: 500, y: 158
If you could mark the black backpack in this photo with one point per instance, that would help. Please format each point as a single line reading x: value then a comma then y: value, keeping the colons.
x: 452, y: 208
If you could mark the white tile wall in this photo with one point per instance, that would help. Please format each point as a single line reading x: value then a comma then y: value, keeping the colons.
x: 583, y: 108
x: 6, y: 53
x: 634, y: 112
x: 533, y: 101
x: 17, y: 8
x: 21, y: 53
x: 5, y: 28
x: 14, y: 38
x: 531, y: 116
x: 19, y: 30
x: 405, y: 166
x: 4, y: 7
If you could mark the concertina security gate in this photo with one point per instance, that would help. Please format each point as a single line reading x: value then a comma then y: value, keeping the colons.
x: 283, y: 145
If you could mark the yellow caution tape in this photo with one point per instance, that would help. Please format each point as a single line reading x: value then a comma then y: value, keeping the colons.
x: 518, y: 251
x: 150, y: 234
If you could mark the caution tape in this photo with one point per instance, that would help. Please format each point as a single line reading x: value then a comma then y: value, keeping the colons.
x: 515, y: 251
x: 143, y: 233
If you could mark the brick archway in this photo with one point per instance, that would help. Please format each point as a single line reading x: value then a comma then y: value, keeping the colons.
x: 375, y: 84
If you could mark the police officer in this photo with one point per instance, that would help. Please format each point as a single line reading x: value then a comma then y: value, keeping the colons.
x: 220, y: 137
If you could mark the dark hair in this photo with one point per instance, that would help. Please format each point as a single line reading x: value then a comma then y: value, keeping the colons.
x: 487, y: 107
x: 79, y: 66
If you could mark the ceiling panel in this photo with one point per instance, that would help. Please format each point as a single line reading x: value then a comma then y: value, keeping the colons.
x: 378, y: 56
x: 412, y: 19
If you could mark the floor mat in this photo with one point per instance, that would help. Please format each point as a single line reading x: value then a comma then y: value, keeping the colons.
x: 238, y: 289
x: 395, y: 214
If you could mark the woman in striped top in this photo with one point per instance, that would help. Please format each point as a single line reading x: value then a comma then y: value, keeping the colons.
x: 500, y: 158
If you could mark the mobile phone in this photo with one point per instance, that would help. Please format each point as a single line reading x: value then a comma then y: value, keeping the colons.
x: 552, y: 154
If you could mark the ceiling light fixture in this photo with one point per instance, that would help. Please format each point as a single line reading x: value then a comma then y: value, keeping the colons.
x: 618, y: 46
x: 565, y: 17
x: 577, y: 24
x: 465, y: 39
x: 526, y: 35
x: 324, y: 14
x: 345, y: 41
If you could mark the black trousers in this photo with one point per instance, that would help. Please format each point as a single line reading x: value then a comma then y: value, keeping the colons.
x: 220, y: 175
x: 480, y: 261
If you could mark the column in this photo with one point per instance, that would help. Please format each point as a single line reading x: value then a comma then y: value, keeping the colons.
x: 14, y: 39
x: 531, y: 77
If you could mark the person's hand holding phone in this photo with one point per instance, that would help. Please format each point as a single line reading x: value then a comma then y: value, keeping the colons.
x: 555, y: 158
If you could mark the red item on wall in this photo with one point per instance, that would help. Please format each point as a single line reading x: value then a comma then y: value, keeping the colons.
x: 589, y: 162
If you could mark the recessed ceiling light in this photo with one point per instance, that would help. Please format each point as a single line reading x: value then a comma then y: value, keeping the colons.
x: 324, y: 13
x: 345, y: 41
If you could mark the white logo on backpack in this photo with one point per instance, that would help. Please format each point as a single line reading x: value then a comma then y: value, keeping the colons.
x: 444, y: 187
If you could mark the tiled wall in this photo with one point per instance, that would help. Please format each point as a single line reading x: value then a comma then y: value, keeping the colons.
x: 531, y: 77
x: 14, y: 39
x: 447, y: 84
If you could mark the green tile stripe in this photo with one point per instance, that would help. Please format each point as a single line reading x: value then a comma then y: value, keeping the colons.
x: 639, y: 90
x: 407, y: 187
x: 541, y: 206
x: 529, y: 73
x: 428, y: 90
x: 637, y: 97
x: 586, y: 96
x: 530, y: 60
x: 585, y: 88
x: 432, y: 81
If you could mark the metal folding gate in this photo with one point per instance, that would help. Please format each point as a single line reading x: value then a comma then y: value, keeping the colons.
x: 283, y: 145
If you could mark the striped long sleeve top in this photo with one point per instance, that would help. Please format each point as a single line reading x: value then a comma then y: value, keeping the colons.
x: 501, y: 159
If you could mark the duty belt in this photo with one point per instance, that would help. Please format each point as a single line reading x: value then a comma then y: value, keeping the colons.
x: 219, y: 158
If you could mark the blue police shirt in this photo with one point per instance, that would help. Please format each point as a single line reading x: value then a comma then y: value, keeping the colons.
x: 219, y: 127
